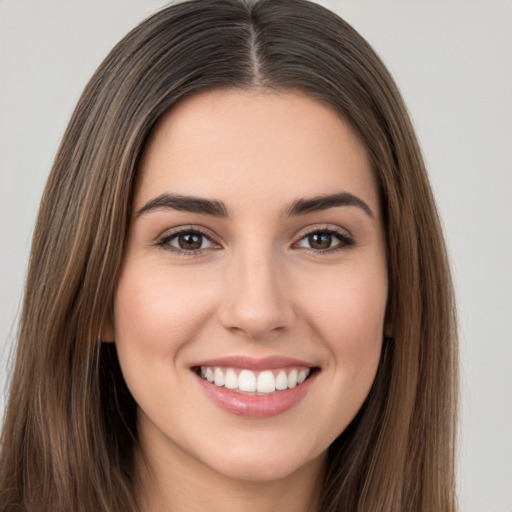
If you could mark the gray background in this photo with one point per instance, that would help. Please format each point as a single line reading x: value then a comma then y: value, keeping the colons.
x: 453, y: 62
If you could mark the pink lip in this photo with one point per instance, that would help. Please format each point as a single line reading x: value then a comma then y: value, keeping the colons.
x: 255, y: 406
x: 249, y: 363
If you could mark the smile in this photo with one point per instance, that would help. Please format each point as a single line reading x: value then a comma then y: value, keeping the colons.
x: 255, y: 388
x: 253, y: 382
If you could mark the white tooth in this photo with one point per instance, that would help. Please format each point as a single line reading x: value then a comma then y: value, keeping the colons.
x: 203, y: 372
x: 302, y: 376
x: 292, y: 378
x: 266, y: 382
x: 209, y: 375
x: 231, y: 381
x: 281, y: 381
x: 218, y: 377
x: 247, y: 381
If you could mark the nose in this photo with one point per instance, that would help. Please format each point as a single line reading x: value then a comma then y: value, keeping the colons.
x: 257, y: 301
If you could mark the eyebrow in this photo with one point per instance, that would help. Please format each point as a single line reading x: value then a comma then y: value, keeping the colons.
x: 218, y: 209
x: 185, y: 204
x: 316, y: 204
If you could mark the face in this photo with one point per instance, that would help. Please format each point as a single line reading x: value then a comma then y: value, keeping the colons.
x: 249, y: 312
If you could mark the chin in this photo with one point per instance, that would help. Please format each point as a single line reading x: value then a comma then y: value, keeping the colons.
x: 265, y: 463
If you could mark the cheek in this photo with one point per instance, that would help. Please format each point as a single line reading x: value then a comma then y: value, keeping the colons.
x: 158, y: 310
x: 346, y: 310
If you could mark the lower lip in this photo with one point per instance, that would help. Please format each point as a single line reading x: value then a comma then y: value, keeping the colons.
x: 256, y: 406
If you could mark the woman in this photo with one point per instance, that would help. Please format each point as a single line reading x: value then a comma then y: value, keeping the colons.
x: 238, y: 294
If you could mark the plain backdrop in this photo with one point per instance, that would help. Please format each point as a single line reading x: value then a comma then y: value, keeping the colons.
x: 452, y: 60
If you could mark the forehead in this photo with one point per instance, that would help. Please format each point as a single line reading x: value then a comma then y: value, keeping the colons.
x: 255, y: 146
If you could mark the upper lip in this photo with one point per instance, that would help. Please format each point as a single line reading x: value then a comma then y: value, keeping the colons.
x: 255, y: 364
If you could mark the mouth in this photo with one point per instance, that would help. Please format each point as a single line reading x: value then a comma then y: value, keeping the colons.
x: 255, y: 388
x: 255, y: 383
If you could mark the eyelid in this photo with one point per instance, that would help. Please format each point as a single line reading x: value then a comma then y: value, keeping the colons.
x: 163, y: 239
x: 345, y: 237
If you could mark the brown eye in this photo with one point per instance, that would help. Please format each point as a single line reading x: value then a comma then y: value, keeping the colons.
x: 186, y: 241
x: 325, y: 241
x: 320, y: 241
x: 189, y: 241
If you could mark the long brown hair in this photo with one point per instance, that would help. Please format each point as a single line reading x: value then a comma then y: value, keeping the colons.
x: 69, y: 431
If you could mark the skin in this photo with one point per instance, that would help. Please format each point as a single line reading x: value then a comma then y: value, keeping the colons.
x: 256, y: 287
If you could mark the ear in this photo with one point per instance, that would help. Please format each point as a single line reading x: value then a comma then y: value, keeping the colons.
x: 107, y: 331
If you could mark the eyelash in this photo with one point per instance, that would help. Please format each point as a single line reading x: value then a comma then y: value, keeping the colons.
x: 164, y: 242
x: 345, y: 241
